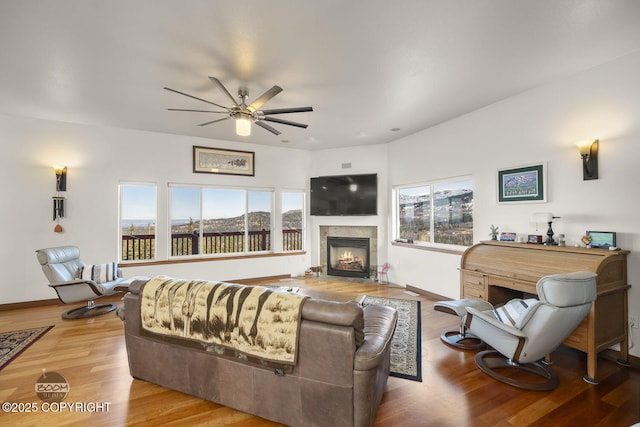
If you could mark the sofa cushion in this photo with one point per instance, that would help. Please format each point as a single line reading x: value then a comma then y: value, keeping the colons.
x: 99, y: 273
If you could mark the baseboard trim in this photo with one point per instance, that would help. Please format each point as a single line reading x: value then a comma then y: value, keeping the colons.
x: 427, y: 293
x: 29, y: 304
x: 258, y: 280
x: 614, y: 355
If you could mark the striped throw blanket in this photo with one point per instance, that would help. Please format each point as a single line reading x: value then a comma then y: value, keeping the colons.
x: 252, y: 321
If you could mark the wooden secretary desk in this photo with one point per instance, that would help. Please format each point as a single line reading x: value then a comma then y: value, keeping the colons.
x: 499, y: 271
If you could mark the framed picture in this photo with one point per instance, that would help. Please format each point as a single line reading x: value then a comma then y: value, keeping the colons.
x: 602, y: 239
x: 222, y: 161
x: 522, y: 184
x: 535, y: 239
x: 507, y: 236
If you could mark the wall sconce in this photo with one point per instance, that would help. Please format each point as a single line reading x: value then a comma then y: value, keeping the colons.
x: 589, y: 154
x: 548, y: 218
x: 61, y: 178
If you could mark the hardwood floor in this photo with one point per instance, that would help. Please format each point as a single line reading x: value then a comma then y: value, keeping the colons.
x: 91, y: 355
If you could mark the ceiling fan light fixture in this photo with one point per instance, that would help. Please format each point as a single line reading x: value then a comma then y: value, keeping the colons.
x: 243, y: 125
x: 246, y: 114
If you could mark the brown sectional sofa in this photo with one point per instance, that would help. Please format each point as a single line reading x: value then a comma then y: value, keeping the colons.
x: 338, y: 380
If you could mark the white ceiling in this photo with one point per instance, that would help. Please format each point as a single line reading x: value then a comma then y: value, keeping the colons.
x: 366, y: 66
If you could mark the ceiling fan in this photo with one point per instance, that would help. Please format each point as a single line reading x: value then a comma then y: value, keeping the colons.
x: 245, y: 114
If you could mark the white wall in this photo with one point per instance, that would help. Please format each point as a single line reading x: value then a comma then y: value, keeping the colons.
x: 537, y: 126
x: 97, y: 160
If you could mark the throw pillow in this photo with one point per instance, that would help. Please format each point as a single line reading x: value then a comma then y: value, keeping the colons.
x: 514, y: 310
x: 100, y: 273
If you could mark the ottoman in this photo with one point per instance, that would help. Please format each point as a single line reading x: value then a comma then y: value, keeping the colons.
x: 461, y: 339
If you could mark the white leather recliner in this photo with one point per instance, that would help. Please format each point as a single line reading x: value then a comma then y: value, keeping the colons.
x: 523, y: 332
x: 64, y: 269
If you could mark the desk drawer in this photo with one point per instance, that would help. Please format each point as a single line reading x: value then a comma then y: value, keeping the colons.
x: 471, y: 292
x: 471, y: 280
x: 474, y: 285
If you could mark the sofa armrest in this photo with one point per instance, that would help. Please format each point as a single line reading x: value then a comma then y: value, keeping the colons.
x: 137, y: 283
x: 379, y: 326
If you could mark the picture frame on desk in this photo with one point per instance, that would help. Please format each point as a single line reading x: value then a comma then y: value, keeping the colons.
x: 507, y: 236
x: 535, y: 239
x: 524, y: 184
x: 602, y: 239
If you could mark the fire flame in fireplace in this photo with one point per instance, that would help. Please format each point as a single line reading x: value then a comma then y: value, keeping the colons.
x: 349, y: 261
x: 347, y: 256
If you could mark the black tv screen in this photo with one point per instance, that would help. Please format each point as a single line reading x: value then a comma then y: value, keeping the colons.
x: 342, y: 195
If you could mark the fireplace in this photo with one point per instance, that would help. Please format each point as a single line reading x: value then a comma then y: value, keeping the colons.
x: 348, y: 256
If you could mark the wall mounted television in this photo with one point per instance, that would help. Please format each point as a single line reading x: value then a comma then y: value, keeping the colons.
x: 344, y: 195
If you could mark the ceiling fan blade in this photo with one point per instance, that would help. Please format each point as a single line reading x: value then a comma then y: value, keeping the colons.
x: 223, y: 90
x: 287, y: 110
x: 197, y: 111
x: 285, y: 122
x: 267, y: 127
x: 195, y: 97
x: 255, y: 105
x: 214, y: 121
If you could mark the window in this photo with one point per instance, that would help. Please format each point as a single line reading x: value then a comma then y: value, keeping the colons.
x: 292, y: 220
x: 438, y: 213
x: 208, y: 220
x: 414, y: 214
x: 259, y: 220
x: 137, y: 221
x: 185, y: 221
x: 223, y: 220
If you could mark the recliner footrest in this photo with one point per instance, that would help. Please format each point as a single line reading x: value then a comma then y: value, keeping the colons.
x: 461, y: 339
x: 459, y: 306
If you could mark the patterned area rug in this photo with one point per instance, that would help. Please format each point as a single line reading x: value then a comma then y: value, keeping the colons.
x: 406, y: 346
x: 14, y: 343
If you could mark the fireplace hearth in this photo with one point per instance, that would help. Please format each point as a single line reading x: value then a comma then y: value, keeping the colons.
x: 348, y: 256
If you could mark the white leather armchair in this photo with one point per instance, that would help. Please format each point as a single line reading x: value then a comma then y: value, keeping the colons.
x: 63, y: 267
x: 523, y: 334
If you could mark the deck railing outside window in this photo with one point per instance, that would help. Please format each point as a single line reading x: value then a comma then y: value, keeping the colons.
x: 142, y: 246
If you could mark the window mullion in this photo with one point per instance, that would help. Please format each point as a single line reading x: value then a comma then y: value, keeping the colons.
x: 432, y: 222
x: 201, y: 228
x: 246, y: 221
